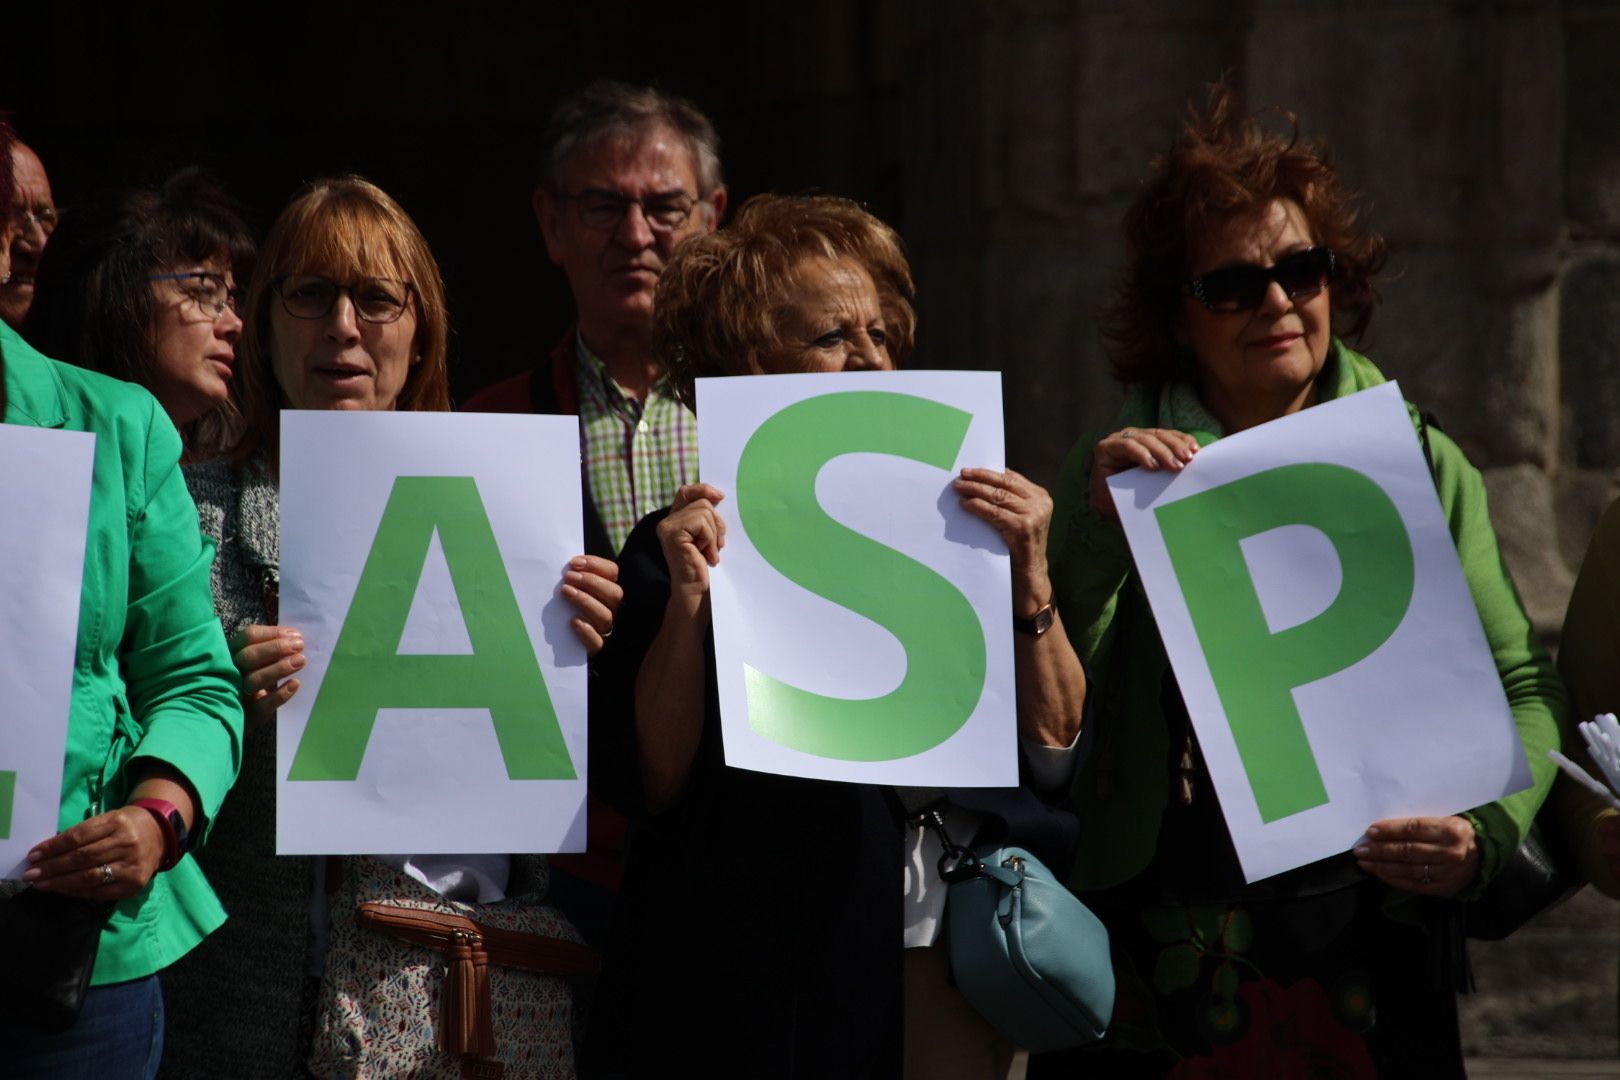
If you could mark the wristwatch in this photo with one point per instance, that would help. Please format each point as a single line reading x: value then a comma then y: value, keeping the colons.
x: 1037, y: 624
x: 176, y: 838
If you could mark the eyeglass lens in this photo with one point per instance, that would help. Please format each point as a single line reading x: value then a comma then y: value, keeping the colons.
x: 45, y: 216
x: 205, y: 289
x: 312, y: 296
x: 605, y: 209
x: 1238, y: 288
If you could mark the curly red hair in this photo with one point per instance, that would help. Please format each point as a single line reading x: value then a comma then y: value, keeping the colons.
x: 719, y: 305
x: 1225, y: 164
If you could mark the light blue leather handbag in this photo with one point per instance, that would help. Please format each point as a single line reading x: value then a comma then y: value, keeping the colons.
x: 1028, y: 955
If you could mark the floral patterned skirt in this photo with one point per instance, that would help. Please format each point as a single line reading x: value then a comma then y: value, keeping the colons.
x: 1318, y: 986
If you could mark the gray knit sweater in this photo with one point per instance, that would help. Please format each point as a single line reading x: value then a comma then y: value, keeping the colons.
x: 234, y: 1002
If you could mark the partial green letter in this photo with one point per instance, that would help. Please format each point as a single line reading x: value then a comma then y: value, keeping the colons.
x: 366, y: 674
x: 8, y: 795
x: 937, y: 627
x: 1256, y: 671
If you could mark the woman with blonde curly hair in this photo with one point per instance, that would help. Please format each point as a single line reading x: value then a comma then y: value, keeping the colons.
x: 1244, y: 250
x: 791, y: 901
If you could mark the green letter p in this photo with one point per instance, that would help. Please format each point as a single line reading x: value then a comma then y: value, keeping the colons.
x: 1256, y: 671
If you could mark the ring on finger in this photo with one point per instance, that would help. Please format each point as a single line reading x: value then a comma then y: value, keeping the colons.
x: 1127, y: 434
x: 1427, y: 880
x: 605, y: 634
x: 106, y: 872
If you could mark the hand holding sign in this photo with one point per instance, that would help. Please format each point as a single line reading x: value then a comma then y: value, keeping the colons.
x: 1130, y: 448
x: 1021, y: 511
x: 267, y: 657
x: 692, y: 536
x: 591, y: 584
x: 1436, y: 856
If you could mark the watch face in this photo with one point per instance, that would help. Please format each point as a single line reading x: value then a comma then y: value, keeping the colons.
x: 182, y: 841
x: 1037, y: 624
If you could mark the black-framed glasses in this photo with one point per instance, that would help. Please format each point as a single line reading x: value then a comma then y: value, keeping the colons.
x: 1239, y: 288
x: 204, y: 288
x: 312, y: 296
x: 47, y: 217
x: 603, y: 209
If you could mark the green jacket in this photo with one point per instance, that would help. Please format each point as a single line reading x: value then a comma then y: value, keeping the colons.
x: 152, y: 677
x: 1121, y: 790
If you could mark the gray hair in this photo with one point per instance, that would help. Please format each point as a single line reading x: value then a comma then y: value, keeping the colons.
x: 608, y: 108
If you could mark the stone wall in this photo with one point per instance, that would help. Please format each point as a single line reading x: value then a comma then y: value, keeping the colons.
x: 1484, y: 138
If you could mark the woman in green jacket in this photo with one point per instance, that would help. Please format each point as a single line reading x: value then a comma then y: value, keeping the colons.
x: 155, y: 728
x: 1243, y: 249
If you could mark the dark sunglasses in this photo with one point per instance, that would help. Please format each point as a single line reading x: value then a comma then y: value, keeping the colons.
x: 1239, y: 288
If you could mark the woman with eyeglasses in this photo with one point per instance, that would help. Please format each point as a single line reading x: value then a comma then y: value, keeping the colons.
x: 141, y: 285
x: 154, y: 730
x: 346, y: 310
x: 1243, y: 250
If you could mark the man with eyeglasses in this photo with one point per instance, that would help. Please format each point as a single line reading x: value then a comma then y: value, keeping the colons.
x: 627, y: 174
x: 34, y: 218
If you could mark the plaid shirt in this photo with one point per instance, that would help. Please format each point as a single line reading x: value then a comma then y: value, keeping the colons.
x: 636, y: 453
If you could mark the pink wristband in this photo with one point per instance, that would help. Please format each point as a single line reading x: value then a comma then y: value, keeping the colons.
x: 173, y: 826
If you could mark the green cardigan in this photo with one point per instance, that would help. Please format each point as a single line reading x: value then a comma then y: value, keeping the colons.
x: 152, y: 677
x: 1121, y: 790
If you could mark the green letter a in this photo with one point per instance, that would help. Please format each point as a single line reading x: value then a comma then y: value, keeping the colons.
x: 1256, y: 671
x: 367, y: 673
x: 937, y: 627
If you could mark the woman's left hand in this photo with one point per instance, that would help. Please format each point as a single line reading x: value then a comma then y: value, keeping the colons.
x: 1435, y: 856
x: 1021, y: 511
x: 592, y: 586
x: 107, y: 857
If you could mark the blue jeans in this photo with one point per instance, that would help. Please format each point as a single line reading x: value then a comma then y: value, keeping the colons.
x: 119, y: 1036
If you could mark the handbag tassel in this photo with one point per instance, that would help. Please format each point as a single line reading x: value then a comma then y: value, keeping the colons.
x: 466, y: 1027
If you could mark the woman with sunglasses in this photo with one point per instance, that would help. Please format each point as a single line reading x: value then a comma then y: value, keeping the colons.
x: 140, y: 284
x: 346, y: 310
x: 1243, y: 249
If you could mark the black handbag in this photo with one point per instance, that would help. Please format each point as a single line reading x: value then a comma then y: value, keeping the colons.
x: 1539, y: 876
x: 52, y: 941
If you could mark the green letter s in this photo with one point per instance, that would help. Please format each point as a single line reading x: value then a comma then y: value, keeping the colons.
x: 935, y: 624
x: 1256, y: 671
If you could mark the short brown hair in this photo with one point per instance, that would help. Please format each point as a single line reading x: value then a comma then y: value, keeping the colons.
x: 344, y: 228
x: 1226, y: 164
x: 719, y: 301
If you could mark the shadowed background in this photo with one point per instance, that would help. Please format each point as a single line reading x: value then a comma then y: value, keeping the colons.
x: 1003, y: 138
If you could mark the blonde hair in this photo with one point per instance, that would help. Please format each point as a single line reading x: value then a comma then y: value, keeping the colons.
x: 719, y: 305
x: 344, y: 228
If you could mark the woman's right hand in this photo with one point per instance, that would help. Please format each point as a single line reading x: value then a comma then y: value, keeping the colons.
x: 266, y: 656
x: 1130, y: 448
x: 692, y: 536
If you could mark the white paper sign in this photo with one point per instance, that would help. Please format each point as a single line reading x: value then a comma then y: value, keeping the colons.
x: 862, y: 618
x: 45, y: 490
x: 442, y: 710
x: 1330, y: 654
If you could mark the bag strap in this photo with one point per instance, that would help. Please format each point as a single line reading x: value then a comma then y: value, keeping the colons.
x: 472, y: 946
x: 508, y: 948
